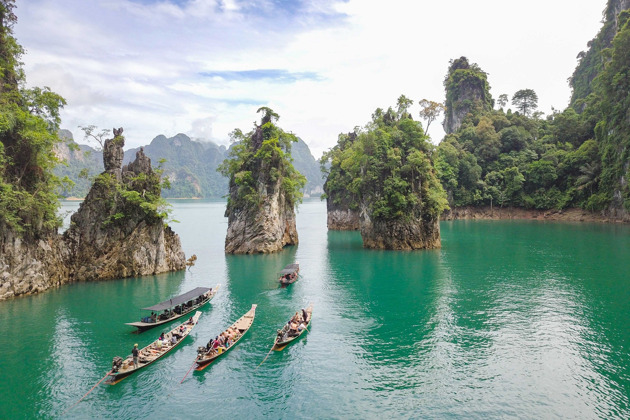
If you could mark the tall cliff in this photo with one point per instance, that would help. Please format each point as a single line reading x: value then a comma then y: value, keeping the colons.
x: 467, y: 91
x: 591, y: 62
x: 119, y: 230
x: 263, y: 191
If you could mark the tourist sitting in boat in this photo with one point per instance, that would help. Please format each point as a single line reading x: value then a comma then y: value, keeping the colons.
x: 304, y: 315
x: 178, y: 309
x: 153, y: 317
x: 293, y: 330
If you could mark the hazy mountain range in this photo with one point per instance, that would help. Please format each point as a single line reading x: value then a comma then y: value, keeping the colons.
x: 191, y: 166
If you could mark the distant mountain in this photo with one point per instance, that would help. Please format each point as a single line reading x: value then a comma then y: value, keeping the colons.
x: 191, y: 165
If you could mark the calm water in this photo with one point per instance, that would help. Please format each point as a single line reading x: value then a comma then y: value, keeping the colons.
x: 507, y: 320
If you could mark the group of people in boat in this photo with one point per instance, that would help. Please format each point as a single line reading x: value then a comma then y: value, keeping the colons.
x: 295, y: 326
x: 222, y: 342
x: 177, y: 310
x: 289, y: 278
x: 165, y: 340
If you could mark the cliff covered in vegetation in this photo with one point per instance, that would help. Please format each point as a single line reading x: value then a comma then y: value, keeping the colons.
x: 264, y: 189
x: 579, y: 157
x: 384, y: 172
x: 118, y: 232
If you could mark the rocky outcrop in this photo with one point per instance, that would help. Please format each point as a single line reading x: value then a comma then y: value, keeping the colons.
x: 263, y: 191
x: 264, y: 230
x: 111, y: 236
x: 400, y: 235
x: 31, y: 266
x: 467, y: 91
x: 340, y: 216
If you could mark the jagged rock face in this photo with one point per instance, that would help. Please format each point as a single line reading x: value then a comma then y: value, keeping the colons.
x: 29, y: 267
x: 113, y: 155
x: 266, y: 229
x: 142, y: 164
x: 397, y: 235
x: 104, y: 246
x: 340, y: 216
x: 616, y: 7
x: 469, y: 94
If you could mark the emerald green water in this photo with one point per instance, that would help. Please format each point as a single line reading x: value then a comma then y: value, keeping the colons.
x: 509, y: 319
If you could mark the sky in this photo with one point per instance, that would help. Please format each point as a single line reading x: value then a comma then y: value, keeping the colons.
x: 204, y: 67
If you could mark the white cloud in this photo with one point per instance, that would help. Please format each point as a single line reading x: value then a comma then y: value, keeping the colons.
x: 141, y: 64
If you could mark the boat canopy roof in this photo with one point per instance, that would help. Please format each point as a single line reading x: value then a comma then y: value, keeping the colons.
x: 290, y: 269
x: 174, y: 301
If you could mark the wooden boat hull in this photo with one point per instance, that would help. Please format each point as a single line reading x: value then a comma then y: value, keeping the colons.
x: 143, y: 326
x: 243, y: 324
x: 150, y: 355
x: 280, y: 345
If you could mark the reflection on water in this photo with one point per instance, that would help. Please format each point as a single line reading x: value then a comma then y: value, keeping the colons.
x: 508, y: 319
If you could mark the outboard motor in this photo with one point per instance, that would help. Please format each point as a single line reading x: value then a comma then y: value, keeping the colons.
x: 116, y: 363
x: 201, y: 351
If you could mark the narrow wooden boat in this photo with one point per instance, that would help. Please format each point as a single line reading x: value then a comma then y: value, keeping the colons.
x: 149, y: 354
x: 175, y: 307
x: 205, y: 357
x: 285, y: 337
x: 289, y: 274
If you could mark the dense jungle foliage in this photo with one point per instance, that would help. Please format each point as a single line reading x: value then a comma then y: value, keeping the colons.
x: 575, y: 158
x: 258, y: 161
x: 386, y: 167
x: 29, y: 121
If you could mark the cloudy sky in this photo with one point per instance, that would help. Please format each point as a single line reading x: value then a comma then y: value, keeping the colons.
x: 203, y: 67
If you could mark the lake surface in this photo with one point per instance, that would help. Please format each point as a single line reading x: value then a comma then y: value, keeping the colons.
x: 510, y: 319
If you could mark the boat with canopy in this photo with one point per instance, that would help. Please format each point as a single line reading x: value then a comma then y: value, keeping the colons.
x: 289, y: 274
x: 175, y: 307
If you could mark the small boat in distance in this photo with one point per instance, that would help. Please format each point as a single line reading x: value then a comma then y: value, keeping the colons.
x: 293, y: 329
x: 149, y: 354
x: 289, y: 274
x: 175, y: 307
x: 206, y: 355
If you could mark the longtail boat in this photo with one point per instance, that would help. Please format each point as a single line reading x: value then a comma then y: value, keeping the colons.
x: 206, y: 356
x: 175, y: 307
x: 149, y: 354
x: 286, y: 335
x: 289, y: 274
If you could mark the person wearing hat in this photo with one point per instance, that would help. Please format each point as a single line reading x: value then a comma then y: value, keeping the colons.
x: 135, y: 353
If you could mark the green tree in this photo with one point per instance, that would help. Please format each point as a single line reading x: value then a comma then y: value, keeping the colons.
x: 29, y: 121
x: 503, y: 100
x: 526, y: 101
x: 430, y: 111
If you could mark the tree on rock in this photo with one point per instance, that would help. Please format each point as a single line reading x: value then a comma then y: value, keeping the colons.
x: 264, y: 189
